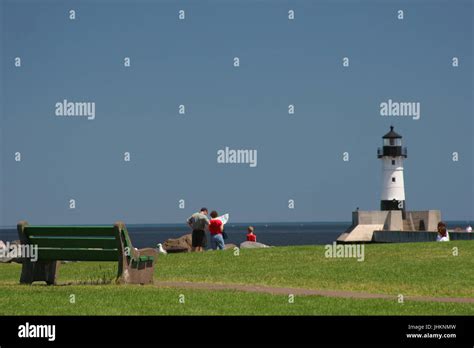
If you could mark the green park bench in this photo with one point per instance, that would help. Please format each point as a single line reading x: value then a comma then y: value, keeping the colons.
x: 84, y: 243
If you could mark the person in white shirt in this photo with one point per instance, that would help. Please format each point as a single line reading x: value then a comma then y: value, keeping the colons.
x: 469, y: 228
x: 443, y: 235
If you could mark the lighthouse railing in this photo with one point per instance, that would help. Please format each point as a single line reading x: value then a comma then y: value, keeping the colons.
x: 392, y: 151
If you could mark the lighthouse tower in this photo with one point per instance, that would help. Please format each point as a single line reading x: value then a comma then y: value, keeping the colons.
x: 392, y: 155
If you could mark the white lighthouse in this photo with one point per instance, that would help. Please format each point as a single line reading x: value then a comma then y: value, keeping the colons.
x: 392, y: 223
x: 392, y: 155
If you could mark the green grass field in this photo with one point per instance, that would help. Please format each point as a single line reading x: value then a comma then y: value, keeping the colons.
x: 418, y: 269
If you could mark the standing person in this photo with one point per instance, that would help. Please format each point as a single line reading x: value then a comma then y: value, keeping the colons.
x: 251, y: 237
x: 216, y: 228
x: 443, y: 235
x: 469, y: 229
x: 198, y: 222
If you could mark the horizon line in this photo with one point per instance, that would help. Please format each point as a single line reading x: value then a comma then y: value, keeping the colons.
x: 235, y: 223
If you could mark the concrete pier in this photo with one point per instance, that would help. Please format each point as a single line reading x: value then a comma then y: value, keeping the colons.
x: 392, y: 226
x: 416, y: 236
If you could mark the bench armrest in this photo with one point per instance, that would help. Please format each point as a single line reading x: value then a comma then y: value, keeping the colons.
x: 146, y: 254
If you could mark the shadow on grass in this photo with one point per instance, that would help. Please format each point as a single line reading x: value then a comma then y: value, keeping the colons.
x: 103, y: 276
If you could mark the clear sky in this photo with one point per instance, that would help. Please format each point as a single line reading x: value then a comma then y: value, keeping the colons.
x: 190, y: 62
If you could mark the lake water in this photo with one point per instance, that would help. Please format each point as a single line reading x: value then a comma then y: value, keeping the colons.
x: 277, y: 234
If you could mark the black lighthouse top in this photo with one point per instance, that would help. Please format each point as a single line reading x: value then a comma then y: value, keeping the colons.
x: 392, y: 145
x: 392, y: 134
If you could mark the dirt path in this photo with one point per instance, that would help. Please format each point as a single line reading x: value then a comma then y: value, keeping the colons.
x: 303, y: 292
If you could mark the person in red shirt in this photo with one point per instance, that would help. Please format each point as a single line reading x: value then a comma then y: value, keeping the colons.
x: 250, y: 236
x: 216, y: 227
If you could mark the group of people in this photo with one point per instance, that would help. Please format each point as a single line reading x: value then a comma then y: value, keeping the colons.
x: 200, y: 223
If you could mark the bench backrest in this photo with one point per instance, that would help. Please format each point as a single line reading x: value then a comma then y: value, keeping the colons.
x: 73, y: 243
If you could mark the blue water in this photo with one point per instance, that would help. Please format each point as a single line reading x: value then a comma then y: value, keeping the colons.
x: 277, y: 234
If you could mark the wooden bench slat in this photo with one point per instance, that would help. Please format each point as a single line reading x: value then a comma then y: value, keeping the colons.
x: 61, y: 242
x: 77, y: 254
x: 83, y: 231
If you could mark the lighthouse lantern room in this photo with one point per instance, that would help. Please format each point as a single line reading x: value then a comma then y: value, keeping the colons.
x: 392, y: 155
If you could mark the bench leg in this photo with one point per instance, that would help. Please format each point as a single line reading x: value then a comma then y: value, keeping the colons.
x: 39, y: 271
x: 143, y: 273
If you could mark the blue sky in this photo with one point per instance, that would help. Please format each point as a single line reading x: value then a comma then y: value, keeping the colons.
x: 190, y: 62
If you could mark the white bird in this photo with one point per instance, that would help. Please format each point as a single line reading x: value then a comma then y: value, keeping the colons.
x: 160, y: 249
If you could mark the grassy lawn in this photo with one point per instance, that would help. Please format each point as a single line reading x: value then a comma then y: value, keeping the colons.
x: 148, y: 300
x: 426, y: 269
x: 422, y: 269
